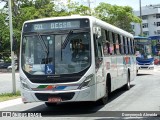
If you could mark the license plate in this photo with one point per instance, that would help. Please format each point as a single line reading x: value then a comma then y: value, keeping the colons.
x: 54, y: 99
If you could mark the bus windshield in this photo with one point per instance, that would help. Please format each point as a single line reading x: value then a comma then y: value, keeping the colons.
x: 143, y: 48
x: 60, y: 53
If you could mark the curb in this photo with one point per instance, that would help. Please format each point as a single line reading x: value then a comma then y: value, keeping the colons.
x: 10, y: 103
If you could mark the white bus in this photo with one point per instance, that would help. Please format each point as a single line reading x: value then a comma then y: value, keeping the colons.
x: 74, y: 58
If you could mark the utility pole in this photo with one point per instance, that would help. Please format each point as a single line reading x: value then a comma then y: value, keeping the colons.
x: 12, y: 52
x: 140, y: 10
x: 89, y: 5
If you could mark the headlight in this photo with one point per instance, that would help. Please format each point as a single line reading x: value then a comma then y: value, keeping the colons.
x: 24, y: 83
x: 87, y: 82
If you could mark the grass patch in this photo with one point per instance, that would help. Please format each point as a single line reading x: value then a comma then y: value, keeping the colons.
x: 9, y: 96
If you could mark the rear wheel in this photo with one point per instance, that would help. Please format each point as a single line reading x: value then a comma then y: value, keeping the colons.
x: 50, y: 104
x: 127, y: 86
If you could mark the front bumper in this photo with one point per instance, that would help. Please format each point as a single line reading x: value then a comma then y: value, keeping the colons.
x: 86, y: 94
x: 145, y: 67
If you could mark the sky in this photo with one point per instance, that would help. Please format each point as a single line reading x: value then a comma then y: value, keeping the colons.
x: 133, y: 3
x: 2, y: 4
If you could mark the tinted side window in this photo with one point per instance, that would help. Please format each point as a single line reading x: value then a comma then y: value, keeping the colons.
x: 122, y: 45
x: 117, y: 43
x: 126, y: 45
x: 134, y: 50
x: 106, y: 44
x: 129, y: 45
x: 111, y: 48
x: 114, y: 42
x: 98, y: 51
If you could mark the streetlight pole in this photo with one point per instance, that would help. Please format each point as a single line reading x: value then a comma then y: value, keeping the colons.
x: 140, y: 9
x: 12, y: 52
x: 89, y: 5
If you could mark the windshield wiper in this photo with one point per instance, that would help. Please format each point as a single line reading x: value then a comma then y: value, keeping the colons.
x: 66, y: 40
x: 46, y: 49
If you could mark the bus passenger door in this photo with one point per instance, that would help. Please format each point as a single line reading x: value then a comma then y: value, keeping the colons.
x: 99, y: 67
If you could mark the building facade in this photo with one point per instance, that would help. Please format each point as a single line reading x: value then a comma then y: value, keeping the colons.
x: 150, y: 21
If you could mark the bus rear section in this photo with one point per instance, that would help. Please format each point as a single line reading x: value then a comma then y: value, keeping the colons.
x: 145, y: 63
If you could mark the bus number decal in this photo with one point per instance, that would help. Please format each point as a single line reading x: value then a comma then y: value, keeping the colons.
x: 38, y: 27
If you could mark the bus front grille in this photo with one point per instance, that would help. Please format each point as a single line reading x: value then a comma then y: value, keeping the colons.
x: 63, y: 96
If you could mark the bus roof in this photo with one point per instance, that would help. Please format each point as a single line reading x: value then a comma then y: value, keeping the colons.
x: 140, y: 37
x: 93, y: 19
x: 57, y: 18
x: 155, y: 37
x: 113, y: 28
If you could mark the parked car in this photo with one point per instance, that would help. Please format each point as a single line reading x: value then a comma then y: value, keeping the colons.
x: 156, y: 61
x: 4, y: 65
x: 9, y: 68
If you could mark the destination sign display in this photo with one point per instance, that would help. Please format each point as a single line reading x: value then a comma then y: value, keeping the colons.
x: 55, y: 25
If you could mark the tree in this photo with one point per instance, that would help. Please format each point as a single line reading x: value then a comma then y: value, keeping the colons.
x: 120, y: 16
x: 24, y: 10
x: 4, y: 34
x: 76, y: 8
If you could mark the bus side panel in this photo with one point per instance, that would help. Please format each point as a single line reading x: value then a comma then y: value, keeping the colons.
x: 113, y: 72
x: 125, y: 69
x: 133, y: 68
x: 100, y: 81
x: 120, y: 67
x: 107, y: 70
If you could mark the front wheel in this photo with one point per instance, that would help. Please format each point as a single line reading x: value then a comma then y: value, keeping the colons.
x: 104, y: 100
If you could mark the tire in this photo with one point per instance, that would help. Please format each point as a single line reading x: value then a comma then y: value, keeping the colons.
x: 104, y: 100
x: 50, y: 104
x: 128, y: 85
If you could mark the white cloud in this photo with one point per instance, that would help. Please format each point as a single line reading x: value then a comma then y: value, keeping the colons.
x: 2, y: 4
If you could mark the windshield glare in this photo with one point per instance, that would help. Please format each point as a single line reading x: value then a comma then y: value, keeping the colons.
x: 56, y: 54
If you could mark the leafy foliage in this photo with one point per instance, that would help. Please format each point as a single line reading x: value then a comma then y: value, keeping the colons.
x: 4, y: 34
x: 24, y: 10
x: 120, y: 16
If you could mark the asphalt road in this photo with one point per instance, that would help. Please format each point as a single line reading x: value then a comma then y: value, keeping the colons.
x: 143, y: 96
